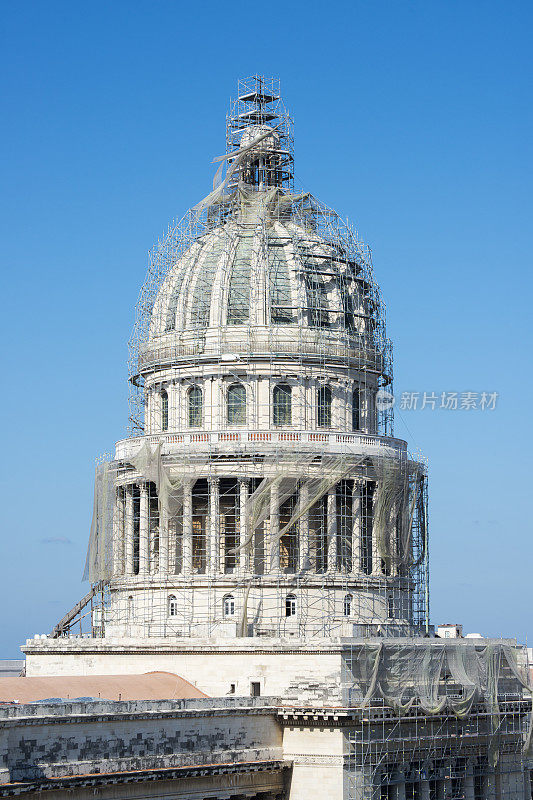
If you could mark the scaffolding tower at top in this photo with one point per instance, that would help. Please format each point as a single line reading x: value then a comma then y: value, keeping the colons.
x: 258, y: 109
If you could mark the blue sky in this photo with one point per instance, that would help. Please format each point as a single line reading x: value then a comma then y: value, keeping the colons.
x: 414, y: 119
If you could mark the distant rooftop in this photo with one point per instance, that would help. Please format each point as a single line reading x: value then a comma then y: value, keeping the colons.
x: 11, y: 668
x: 150, y: 686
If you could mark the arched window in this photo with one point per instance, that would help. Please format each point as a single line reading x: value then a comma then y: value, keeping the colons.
x: 164, y: 410
x: 356, y: 410
x: 228, y: 606
x: 236, y: 407
x: 172, y: 606
x: 195, y: 403
x: 347, y: 605
x: 290, y: 605
x: 323, y: 411
x: 282, y: 404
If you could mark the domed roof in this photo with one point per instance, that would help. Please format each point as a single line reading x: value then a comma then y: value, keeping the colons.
x: 260, y: 274
x: 256, y: 268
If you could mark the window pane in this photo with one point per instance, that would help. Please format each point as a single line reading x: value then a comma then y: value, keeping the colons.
x: 324, y: 407
x: 195, y: 407
x: 164, y: 411
x: 239, y: 283
x: 282, y: 405
x: 290, y: 605
x: 282, y: 312
x: 237, y: 405
x: 229, y: 606
x: 356, y: 410
x: 348, y: 605
x: 317, y: 294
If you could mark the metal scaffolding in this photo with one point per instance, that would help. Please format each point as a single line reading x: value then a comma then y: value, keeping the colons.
x: 261, y: 473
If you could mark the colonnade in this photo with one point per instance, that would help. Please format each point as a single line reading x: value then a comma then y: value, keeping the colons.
x: 146, y: 541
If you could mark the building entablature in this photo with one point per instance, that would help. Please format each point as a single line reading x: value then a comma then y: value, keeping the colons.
x: 273, y: 580
x: 332, y: 645
x: 302, y: 367
x: 256, y: 780
x: 257, y: 346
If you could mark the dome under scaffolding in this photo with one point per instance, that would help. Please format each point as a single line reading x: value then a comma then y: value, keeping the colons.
x: 261, y: 491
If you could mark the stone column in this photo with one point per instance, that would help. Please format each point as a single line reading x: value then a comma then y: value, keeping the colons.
x: 155, y: 409
x: 128, y: 530
x: 376, y: 558
x: 490, y: 785
x: 469, y: 781
x: 181, y: 409
x: 122, y: 528
x: 244, y: 551
x: 163, y: 539
x: 298, y: 405
x: 209, y: 404
x: 251, y: 402
x: 332, y: 529
x: 356, y: 528
x: 218, y: 410
x: 147, y: 411
x: 173, y: 410
x: 263, y: 403
x: 118, y: 532
x: 273, y: 540
x: 338, y: 406
x: 213, y: 548
x: 187, y: 529
x: 311, y: 392
x: 369, y: 410
x: 143, y: 530
x: 527, y: 783
x: 303, y: 525
x: 424, y: 790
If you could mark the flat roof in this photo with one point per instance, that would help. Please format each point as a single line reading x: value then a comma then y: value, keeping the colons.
x: 147, y: 686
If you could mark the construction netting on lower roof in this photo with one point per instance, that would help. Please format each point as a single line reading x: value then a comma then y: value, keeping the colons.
x: 440, y: 677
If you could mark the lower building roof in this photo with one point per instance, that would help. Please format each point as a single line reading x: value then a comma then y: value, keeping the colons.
x: 147, y: 686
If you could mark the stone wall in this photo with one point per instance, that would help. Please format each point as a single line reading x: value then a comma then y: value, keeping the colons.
x: 50, y: 741
x: 296, y: 672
